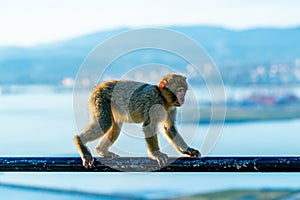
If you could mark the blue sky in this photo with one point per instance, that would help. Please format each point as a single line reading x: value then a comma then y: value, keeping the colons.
x: 32, y: 22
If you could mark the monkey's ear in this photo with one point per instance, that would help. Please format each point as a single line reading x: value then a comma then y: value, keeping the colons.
x: 162, y: 84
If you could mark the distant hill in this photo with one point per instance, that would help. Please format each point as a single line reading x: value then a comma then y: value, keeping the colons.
x: 50, y: 63
x: 266, y: 194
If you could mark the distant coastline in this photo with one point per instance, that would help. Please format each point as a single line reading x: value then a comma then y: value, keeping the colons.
x: 253, y: 113
x: 266, y: 194
x: 236, y: 112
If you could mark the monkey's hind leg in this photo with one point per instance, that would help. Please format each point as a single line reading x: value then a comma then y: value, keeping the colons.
x: 90, y: 133
x: 108, y: 139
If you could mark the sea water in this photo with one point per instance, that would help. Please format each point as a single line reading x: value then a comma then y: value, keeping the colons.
x: 43, y: 125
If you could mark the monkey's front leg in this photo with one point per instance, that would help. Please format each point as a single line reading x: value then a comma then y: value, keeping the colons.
x: 177, y: 141
x: 154, y: 152
x: 152, y: 144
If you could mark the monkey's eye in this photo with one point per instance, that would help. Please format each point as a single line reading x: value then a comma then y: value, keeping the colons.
x: 181, y: 90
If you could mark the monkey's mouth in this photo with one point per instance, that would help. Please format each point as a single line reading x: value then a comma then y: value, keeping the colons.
x: 178, y: 103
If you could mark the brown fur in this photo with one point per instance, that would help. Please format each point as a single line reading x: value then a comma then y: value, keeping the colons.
x: 114, y: 102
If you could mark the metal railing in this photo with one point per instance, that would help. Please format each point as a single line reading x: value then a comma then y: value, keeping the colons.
x: 141, y: 164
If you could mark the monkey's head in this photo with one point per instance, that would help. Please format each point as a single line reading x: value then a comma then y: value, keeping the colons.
x: 175, y: 87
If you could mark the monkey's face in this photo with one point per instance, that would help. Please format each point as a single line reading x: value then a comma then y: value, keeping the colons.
x: 175, y: 87
x: 180, y: 94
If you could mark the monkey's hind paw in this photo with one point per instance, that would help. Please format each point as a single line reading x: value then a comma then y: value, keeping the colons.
x: 88, y: 162
x: 108, y: 154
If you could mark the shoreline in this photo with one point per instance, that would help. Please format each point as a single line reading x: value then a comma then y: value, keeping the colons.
x: 245, y: 114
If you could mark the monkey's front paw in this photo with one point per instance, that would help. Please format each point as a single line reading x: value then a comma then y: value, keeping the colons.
x: 160, y: 157
x: 192, y: 152
x: 88, y: 161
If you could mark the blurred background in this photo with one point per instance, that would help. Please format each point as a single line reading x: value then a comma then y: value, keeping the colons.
x: 254, y: 44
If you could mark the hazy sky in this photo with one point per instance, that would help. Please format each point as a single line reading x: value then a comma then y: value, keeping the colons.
x: 30, y: 22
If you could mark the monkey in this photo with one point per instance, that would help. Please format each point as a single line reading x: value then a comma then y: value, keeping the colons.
x: 114, y: 102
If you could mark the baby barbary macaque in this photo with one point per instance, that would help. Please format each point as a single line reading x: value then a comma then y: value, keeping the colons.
x: 114, y: 102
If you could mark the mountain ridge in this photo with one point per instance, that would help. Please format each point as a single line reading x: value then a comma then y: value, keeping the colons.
x: 49, y: 63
